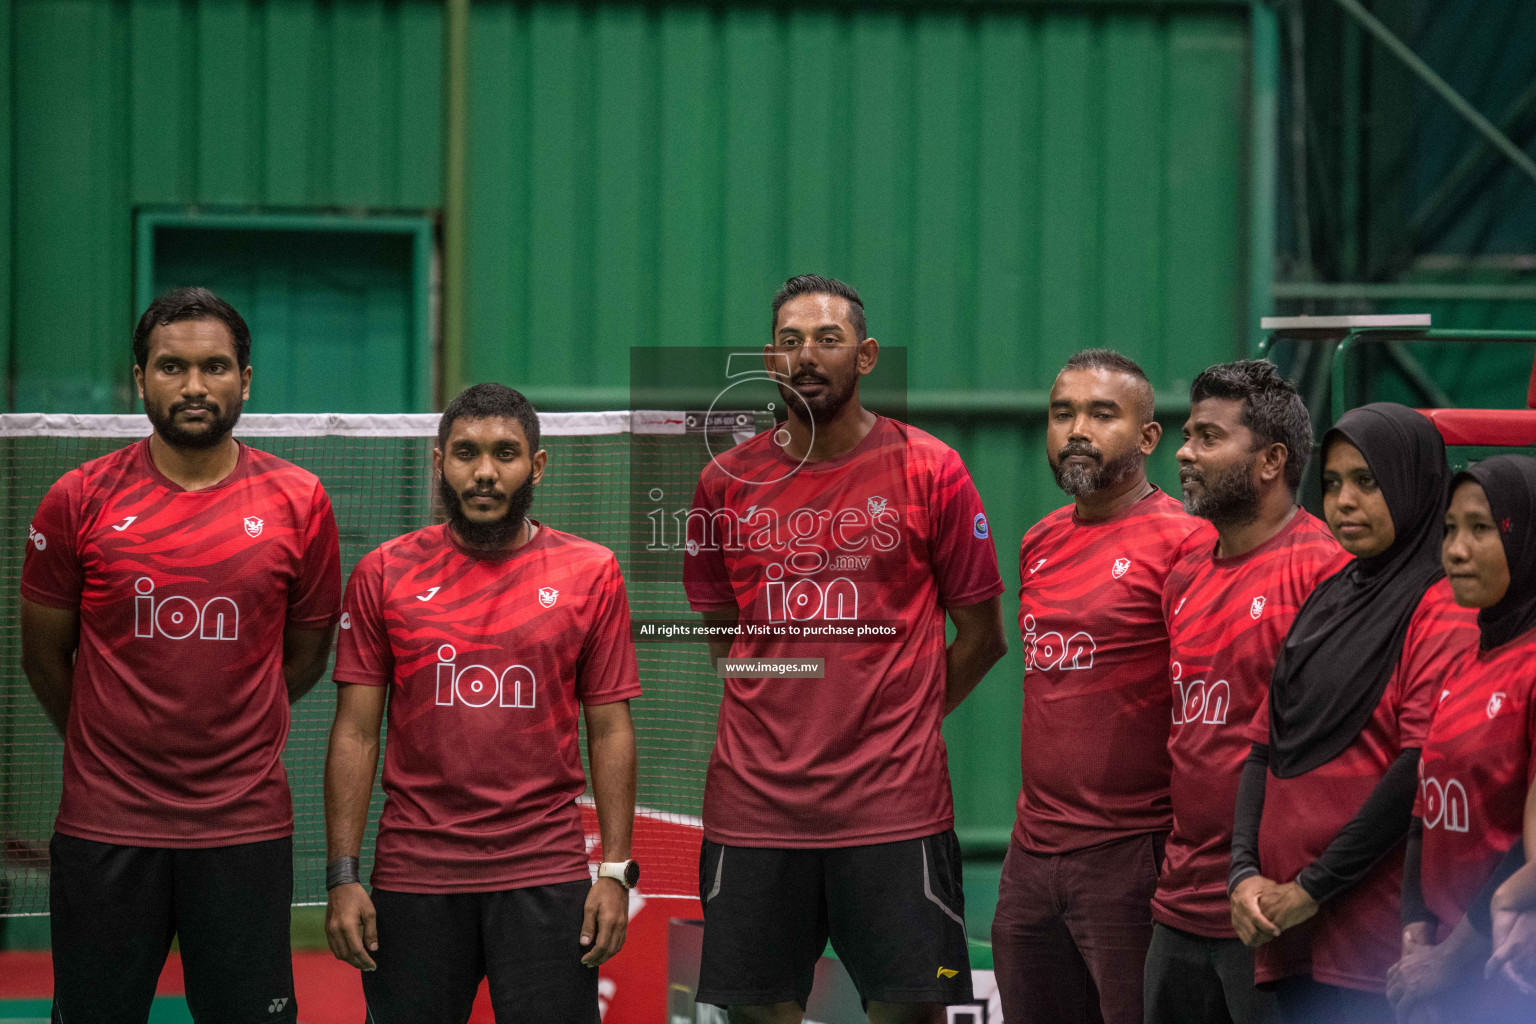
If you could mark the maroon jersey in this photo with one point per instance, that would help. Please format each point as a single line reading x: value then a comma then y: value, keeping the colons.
x: 1096, y: 704
x: 1227, y: 618
x: 179, y: 710
x: 883, y: 538
x: 1356, y: 935
x: 1475, y: 773
x: 488, y: 659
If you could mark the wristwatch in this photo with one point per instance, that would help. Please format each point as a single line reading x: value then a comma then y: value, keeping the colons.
x: 625, y: 872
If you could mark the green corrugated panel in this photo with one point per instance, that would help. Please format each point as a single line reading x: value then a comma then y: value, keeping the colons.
x: 238, y: 104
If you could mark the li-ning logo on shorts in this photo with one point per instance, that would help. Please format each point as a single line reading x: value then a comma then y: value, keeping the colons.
x: 1257, y: 608
x: 1496, y: 703
x: 548, y: 596
x: 37, y: 539
x: 180, y: 618
x: 979, y: 526
x: 253, y: 526
x: 477, y: 686
x: 1121, y: 565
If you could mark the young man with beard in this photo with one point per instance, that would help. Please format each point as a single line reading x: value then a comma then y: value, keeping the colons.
x: 1072, y: 923
x: 1228, y: 603
x: 827, y: 808
x: 488, y: 634
x: 177, y: 596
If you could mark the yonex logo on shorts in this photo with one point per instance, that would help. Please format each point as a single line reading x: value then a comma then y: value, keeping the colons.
x: 277, y: 1005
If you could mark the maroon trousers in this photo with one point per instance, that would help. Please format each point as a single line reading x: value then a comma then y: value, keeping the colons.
x: 1070, y: 936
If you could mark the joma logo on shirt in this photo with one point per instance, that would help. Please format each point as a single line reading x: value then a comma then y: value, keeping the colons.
x: 477, y: 686
x: 180, y: 618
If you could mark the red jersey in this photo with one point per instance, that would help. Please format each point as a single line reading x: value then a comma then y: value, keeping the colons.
x: 1227, y: 618
x: 488, y: 659
x: 1096, y: 702
x: 1475, y: 773
x: 179, y: 710
x: 1356, y: 935
x: 884, y: 537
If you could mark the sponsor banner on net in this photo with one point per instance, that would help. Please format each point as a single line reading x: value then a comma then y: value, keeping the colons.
x: 821, y: 631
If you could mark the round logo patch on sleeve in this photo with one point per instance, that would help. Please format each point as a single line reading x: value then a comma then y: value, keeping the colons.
x: 979, y: 526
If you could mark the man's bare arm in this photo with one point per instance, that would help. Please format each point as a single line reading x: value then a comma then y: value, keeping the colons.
x: 350, y: 763
x: 979, y: 643
x: 720, y: 647
x: 305, y: 652
x: 611, y: 751
x: 49, y: 637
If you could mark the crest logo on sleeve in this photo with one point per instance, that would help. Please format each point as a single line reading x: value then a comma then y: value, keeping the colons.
x: 979, y: 526
x: 1257, y: 608
x: 1121, y: 565
x: 876, y: 505
x: 253, y: 526
x: 547, y: 596
x: 1496, y: 703
x: 346, y: 620
x: 36, y: 538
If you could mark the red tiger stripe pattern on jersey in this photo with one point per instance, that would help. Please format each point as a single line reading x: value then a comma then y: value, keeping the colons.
x: 1227, y: 618
x: 179, y: 710
x: 488, y: 659
x: 1096, y: 704
x: 891, y: 533
x: 1356, y: 936
x: 1475, y: 773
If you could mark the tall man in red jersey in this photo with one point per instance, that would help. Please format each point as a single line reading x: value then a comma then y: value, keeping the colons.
x: 1072, y: 925
x: 489, y: 634
x: 177, y: 596
x: 827, y: 808
x: 1228, y: 604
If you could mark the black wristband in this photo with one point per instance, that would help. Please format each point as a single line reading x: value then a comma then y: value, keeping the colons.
x: 341, y: 871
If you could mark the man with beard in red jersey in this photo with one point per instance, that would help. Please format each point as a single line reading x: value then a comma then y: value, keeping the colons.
x: 486, y: 636
x: 827, y: 808
x: 177, y: 596
x: 1228, y: 603
x: 1073, y: 922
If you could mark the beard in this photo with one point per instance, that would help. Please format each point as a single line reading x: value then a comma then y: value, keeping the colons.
x: 222, y: 421
x: 1077, y: 480
x: 1229, y: 498
x: 497, y: 532
x: 823, y: 407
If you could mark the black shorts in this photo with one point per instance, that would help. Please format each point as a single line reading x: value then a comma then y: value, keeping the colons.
x: 115, y: 908
x: 895, y: 913
x: 435, y: 947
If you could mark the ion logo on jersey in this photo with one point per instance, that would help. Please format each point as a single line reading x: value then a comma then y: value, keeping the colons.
x: 476, y: 686
x: 177, y: 617
x: 979, y: 526
x: 253, y: 526
x: 1257, y: 608
x: 1121, y: 565
x: 547, y: 596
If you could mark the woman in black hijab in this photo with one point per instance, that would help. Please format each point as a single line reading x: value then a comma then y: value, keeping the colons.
x: 1328, y: 790
x: 1477, y: 767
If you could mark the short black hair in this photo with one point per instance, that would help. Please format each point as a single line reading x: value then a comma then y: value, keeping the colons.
x: 1115, y: 362
x: 490, y: 401
x: 815, y: 284
x: 1273, y: 410
x: 180, y: 304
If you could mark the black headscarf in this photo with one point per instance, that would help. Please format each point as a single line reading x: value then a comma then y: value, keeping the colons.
x: 1346, y: 640
x: 1509, y: 481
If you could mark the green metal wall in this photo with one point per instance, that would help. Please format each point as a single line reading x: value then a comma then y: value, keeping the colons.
x: 1004, y: 182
